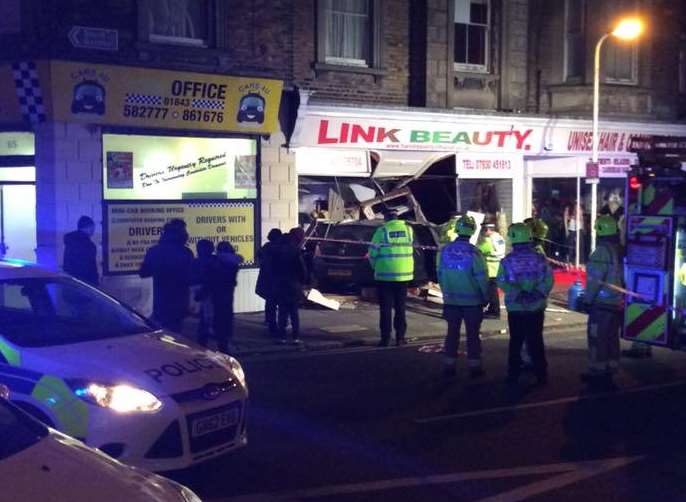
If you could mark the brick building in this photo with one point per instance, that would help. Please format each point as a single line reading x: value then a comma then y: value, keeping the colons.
x: 497, y: 91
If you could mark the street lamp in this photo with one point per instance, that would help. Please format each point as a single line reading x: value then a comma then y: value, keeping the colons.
x: 627, y: 29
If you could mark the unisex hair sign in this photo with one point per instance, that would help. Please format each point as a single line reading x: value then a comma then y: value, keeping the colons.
x: 129, y: 96
x: 134, y: 227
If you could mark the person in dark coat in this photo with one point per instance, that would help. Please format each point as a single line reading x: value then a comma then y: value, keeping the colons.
x: 289, y: 276
x: 169, y: 264
x: 200, y: 276
x: 265, y: 286
x: 222, y: 283
x: 80, y: 252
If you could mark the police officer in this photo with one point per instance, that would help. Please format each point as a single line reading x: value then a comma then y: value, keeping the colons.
x: 604, y: 304
x: 391, y: 257
x: 492, y: 246
x: 462, y: 276
x: 525, y: 277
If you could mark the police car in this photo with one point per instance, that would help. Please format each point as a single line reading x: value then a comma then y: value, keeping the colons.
x: 86, y: 365
x: 39, y: 463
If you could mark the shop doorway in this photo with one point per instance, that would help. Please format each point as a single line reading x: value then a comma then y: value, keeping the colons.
x: 553, y: 187
x: 18, y: 213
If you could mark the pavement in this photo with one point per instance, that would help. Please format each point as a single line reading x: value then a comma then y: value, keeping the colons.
x: 355, y: 324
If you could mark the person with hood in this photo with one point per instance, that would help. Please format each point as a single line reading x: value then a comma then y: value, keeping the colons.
x: 80, y: 252
x: 169, y: 264
x: 266, y: 284
x: 222, y: 283
x: 289, y: 277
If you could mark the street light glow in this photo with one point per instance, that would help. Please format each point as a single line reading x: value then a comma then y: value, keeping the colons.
x: 628, y: 29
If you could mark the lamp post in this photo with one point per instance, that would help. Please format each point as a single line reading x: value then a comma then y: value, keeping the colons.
x: 626, y: 29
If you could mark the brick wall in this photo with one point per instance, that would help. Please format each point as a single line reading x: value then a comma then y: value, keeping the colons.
x: 391, y: 88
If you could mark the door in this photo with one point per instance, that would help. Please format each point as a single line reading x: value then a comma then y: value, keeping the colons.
x: 18, y: 221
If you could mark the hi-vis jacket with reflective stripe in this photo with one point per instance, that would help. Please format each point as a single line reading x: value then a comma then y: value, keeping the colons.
x: 462, y: 274
x: 493, y: 249
x: 605, y: 266
x: 525, y: 277
x: 391, y: 255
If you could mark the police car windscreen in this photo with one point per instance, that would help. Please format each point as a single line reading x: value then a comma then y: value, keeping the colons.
x: 41, y: 312
x: 17, y: 431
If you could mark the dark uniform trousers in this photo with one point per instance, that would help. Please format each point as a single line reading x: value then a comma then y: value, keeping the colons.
x: 604, y: 327
x: 472, y: 316
x: 493, y: 298
x: 526, y: 326
x: 392, y: 296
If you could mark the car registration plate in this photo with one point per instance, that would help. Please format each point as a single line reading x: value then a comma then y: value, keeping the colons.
x: 340, y: 272
x: 213, y: 423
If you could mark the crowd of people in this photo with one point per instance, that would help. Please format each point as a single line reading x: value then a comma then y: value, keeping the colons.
x: 469, y: 276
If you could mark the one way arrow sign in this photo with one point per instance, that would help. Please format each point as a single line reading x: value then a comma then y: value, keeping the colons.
x: 88, y: 37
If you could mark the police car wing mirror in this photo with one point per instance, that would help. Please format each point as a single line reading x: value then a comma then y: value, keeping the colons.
x: 4, y: 391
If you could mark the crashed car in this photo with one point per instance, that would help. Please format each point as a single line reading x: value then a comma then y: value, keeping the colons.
x: 39, y: 463
x: 85, y: 364
x: 346, y: 264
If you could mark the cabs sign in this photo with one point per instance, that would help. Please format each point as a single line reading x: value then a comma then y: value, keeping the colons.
x: 134, y: 227
x: 142, y: 97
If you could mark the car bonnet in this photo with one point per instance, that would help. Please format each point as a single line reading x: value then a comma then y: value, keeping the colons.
x: 157, y: 362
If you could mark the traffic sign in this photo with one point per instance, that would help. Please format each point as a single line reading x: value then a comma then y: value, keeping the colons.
x: 89, y: 37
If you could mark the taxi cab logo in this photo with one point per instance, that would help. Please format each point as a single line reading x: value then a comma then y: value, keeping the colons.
x: 89, y: 97
x: 251, y: 109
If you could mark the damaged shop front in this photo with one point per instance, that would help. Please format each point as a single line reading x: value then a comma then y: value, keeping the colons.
x: 504, y: 167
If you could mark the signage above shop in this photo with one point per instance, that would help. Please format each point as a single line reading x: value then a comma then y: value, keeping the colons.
x: 89, y: 37
x: 338, y: 127
x: 142, y: 97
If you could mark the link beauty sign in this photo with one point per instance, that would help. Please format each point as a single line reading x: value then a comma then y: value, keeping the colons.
x: 127, y: 96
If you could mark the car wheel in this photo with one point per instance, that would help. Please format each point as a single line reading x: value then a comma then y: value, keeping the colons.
x: 34, y: 412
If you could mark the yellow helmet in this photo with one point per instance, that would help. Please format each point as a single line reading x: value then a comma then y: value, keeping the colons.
x: 539, y: 228
x: 606, y: 226
x: 465, y: 226
x: 519, y: 233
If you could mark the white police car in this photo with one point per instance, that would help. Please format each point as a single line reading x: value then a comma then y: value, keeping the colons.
x: 86, y: 365
x: 38, y: 463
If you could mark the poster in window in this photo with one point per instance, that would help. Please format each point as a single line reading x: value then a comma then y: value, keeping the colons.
x: 119, y: 170
x: 245, y: 172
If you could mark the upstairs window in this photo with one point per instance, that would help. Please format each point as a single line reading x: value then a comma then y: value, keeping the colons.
x: 620, y: 57
x: 575, y: 42
x: 347, y: 30
x: 176, y: 22
x: 471, y: 27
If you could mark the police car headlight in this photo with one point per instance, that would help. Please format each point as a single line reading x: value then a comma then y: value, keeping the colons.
x: 233, y: 364
x: 120, y: 398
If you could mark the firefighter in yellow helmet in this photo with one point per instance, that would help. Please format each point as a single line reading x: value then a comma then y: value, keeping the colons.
x: 604, y: 303
x: 525, y: 277
x: 392, y: 258
x: 539, y: 231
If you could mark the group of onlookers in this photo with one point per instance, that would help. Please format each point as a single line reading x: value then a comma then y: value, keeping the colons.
x: 281, y: 280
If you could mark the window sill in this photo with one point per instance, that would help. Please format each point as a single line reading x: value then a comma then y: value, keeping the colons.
x: 364, y: 70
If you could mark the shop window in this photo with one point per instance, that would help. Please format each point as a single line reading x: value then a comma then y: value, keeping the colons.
x: 575, y: 43
x: 471, y: 31
x: 347, y: 32
x: 178, y: 168
x: 176, y: 22
x: 620, y: 59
